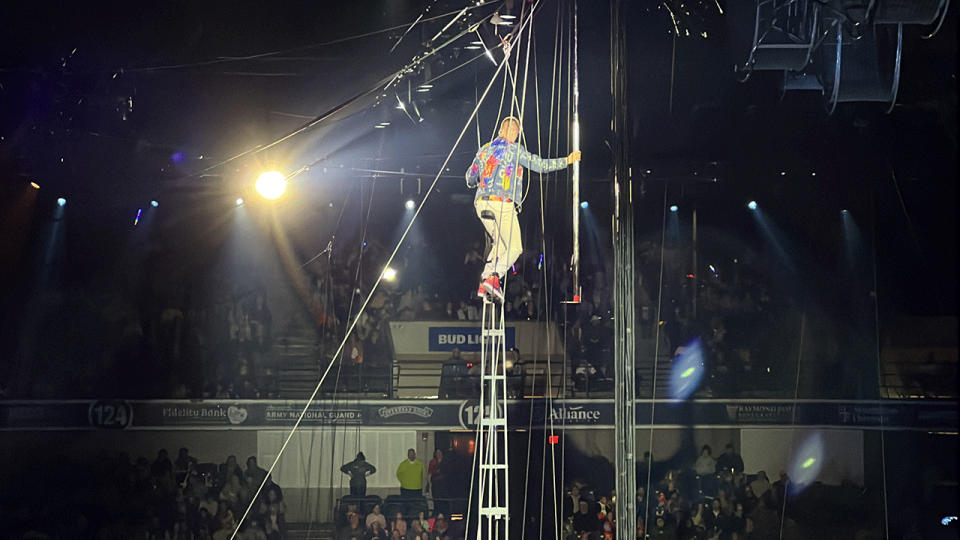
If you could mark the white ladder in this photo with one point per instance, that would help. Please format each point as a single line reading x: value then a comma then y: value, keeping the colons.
x: 493, y: 493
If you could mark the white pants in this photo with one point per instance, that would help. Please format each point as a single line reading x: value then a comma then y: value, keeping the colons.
x: 500, y: 221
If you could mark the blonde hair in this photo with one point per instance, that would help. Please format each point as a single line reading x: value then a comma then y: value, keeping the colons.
x: 513, y: 119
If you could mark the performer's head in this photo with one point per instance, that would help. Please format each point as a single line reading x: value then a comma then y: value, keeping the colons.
x: 510, y: 129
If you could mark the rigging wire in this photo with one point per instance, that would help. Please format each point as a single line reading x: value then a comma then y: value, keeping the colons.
x: 876, y: 315
x: 383, y: 84
x: 793, y: 412
x: 543, y: 296
x: 320, y: 44
x: 372, y: 291
x: 656, y: 358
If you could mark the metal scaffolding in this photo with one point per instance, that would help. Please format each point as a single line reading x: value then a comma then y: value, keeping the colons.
x: 623, y: 297
x: 493, y: 492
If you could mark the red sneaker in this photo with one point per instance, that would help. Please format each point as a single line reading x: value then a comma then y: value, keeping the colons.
x: 492, y: 287
x: 481, y: 291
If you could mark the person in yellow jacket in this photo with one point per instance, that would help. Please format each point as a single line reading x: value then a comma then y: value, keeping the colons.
x: 410, y: 473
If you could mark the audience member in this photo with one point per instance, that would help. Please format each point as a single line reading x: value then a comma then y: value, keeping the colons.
x: 760, y: 485
x: 410, y: 474
x: 436, y: 481
x: 253, y: 475
x: 583, y: 520
x: 705, y: 464
x: 730, y: 460
x: 375, y: 516
x: 353, y: 528
x: 358, y: 470
x: 399, y: 524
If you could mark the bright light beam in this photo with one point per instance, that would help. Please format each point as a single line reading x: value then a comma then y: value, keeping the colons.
x: 271, y: 185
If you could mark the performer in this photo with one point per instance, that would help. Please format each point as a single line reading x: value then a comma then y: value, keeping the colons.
x: 497, y: 173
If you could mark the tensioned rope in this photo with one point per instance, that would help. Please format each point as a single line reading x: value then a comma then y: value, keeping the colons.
x: 656, y: 358
x: 876, y: 320
x: 793, y: 411
x: 526, y: 480
x: 376, y: 284
x: 353, y: 295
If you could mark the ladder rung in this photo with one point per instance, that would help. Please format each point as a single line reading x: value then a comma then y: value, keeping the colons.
x: 492, y: 377
x: 494, y: 511
x: 495, y: 332
x: 493, y: 466
x: 493, y: 421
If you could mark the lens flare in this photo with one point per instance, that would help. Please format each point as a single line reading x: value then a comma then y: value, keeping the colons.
x: 807, y: 463
x: 688, y: 368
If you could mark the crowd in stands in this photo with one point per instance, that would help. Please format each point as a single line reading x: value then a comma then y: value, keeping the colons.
x: 112, y: 497
x: 175, y: 345
x: 711, y: 499
x: 362, y: 517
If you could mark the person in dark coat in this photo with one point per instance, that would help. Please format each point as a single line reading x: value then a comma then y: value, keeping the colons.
x: 359, y: 470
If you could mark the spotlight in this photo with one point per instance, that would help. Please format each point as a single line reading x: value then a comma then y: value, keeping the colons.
x: 271, y: 184
x: 410, y: 204
x: 844, y: 211
x: 61, y: 202
x: 752, y: 205
x: 389, y: 274
x: 34, y: 185
x: 584, y: 204
x: 674, y: 208
x: 154, y: 204
x: 239, y: 201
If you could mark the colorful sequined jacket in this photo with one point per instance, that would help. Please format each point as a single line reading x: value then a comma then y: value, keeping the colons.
x: 492, y: 172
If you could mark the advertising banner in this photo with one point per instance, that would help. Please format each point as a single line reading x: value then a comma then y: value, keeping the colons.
x: 463, y: 414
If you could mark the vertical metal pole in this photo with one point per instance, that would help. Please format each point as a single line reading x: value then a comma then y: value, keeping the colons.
x: 624, y: 340
x: 575, y: 129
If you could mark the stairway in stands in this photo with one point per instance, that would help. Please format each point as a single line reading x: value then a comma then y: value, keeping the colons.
x: 644, y: 362
x: 297, y: 358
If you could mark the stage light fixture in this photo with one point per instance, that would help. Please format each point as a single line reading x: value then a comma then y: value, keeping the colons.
x: 154, y: 204
x: 584, y: 204
x: 239, y: 201
x: 410, y: 204
x: 61, y: 202
x: 271, y: 184
x: 674, y: 208
x: 389, y: 274
x: 752, y: 205
x: 34, y: 185
x: 844, y: 211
